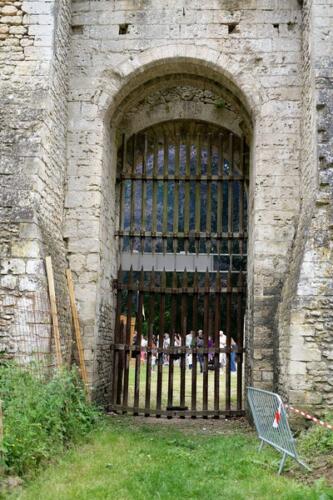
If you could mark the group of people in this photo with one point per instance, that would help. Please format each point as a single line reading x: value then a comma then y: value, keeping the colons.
x: 191, y: 341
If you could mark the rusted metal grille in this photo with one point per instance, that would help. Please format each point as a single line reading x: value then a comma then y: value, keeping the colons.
x: 183, y: 244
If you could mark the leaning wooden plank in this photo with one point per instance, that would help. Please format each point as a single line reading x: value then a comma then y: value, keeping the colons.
x: 77, y: 331
x: 54, y: 312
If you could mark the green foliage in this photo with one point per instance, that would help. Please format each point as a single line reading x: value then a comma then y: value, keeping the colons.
x: 40, y: 417
x: 220, y: 103
x: 317, y: 440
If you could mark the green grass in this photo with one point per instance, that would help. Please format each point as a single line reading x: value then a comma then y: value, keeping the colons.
x: 176, y: 387
x: 136, y: 459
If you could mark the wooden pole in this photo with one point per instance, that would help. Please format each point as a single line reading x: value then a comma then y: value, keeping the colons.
x: 77, y: 330
x: 54, y: 313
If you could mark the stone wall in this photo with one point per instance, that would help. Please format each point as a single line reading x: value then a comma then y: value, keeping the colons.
x: 34, y: 39
x: 306, y: 319
x: 73, y: 82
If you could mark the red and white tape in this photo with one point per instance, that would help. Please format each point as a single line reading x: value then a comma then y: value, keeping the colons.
x: 310, y: 417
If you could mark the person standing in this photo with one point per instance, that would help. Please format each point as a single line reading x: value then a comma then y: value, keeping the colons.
x: 223, y: 343
x: 144, y: 344
x: 200, y: 343
x: 166, y: 345
x: 189, y: 345
x: 233, y: 367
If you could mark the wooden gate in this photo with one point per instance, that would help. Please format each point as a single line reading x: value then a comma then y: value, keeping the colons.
x: 178, y: 344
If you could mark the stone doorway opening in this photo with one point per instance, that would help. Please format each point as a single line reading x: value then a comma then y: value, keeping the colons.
x: 181, y: 288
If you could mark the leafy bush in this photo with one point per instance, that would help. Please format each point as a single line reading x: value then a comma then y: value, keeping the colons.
x: 41, y: 418
x: 317, y: 440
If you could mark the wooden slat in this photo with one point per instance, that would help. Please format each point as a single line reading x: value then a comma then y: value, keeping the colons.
x: 126, y: 358
x: 239, y: 356
x: 228, y: 341
x: 194, y: 342
x: 205, y: 333
x: 116, y: 354
x: 217, y: 343
x: 54, y: 312
x: 120, y: 380
x: 77, y: 331
x: 174, y: 350
x: 172, y: 338
x: 138, y: 341
x: 160, y: 344
x: 183, y: 320
x: 150, y: 339
x: 176, y: 413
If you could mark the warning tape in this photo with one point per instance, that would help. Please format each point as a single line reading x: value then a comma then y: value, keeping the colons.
x: 310, y: 417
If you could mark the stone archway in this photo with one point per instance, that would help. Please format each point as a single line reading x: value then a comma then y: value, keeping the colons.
x: 92, y: 247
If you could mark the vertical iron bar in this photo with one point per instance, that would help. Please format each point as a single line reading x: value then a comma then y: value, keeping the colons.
x: 143, y: 193
x: 209, y: 197
x: 230, y: 193
x: 187, y: 195
x: 198, y: 196
x: 132, y: 219
x: 165, y: 194
x: 176, y: 195
x: 241, y: 199
x: 154, y: 204
x: 220, y: 195
x: 122, y: 191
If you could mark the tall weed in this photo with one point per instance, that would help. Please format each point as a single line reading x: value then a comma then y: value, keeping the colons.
x: 317, y: 440
x: 41, y: 418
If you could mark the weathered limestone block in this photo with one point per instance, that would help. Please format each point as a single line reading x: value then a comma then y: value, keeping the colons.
x: 9, y: 10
